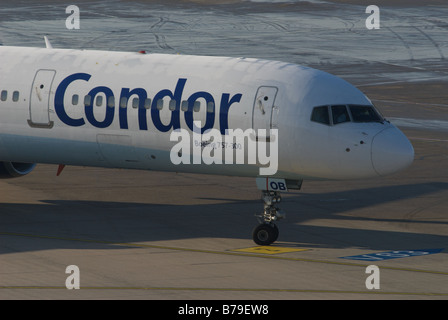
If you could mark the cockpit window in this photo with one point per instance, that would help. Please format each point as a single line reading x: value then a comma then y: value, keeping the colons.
x: 345, y: 113
x: 321, y: 115
x: 365, y: 114
x: 340, y: 114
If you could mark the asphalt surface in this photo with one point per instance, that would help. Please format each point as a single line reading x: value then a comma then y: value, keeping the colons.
x: 154, y: 235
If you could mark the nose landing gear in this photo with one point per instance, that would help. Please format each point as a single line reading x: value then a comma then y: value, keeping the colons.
x: 267, y: 232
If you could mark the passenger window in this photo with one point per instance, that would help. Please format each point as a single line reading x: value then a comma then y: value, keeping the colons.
x: 147, y: 103
x: 184, y: 105
x: 123, y: 102
x: 172, y: 105
x: 75, y: 99
x: 210, y: 107
x: 99, y: 101
x: 88, y: 100
x: 15, y: 96
x: 4, y: 95
x: 135, y: 103
x: 321, y: 115
x: 111, y: 102
x: 196, y: 106
x: 340, y: 114
x: 160, y: 104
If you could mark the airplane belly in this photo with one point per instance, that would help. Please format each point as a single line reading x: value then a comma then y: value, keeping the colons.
x: 34, y: 149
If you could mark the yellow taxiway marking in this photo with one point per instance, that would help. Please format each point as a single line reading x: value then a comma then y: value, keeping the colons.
x: 231, y: 253
x: 269, y: 250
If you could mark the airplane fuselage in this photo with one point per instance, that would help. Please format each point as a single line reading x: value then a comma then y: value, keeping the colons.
x: 115, y: 109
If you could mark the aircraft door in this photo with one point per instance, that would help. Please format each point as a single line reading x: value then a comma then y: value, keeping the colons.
x: 40, y: 99
x: 263, y: 109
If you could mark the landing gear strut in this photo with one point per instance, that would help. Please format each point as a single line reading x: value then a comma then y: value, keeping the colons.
x: 267, y: 232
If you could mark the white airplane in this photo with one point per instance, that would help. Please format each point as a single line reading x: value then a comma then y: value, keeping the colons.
x: 117, y: 110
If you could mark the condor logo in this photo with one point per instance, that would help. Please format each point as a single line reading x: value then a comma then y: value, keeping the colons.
x: 144, y: 104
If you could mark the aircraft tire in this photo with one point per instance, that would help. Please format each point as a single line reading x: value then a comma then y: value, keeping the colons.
x: 265, y: 234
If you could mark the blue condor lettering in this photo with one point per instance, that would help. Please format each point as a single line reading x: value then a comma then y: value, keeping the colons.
x: 226, y: 102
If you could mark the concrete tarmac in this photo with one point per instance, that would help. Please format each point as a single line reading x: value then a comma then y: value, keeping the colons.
x: 152, y: 235
x: 155, y: 235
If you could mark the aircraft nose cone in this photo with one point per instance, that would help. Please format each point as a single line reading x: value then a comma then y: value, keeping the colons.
x: 391, y: 152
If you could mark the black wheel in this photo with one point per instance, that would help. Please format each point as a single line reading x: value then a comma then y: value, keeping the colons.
x: 276, y: 232
x: 265, y: 234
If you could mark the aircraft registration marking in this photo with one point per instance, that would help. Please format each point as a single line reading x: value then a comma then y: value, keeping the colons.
x: 269, y: 250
